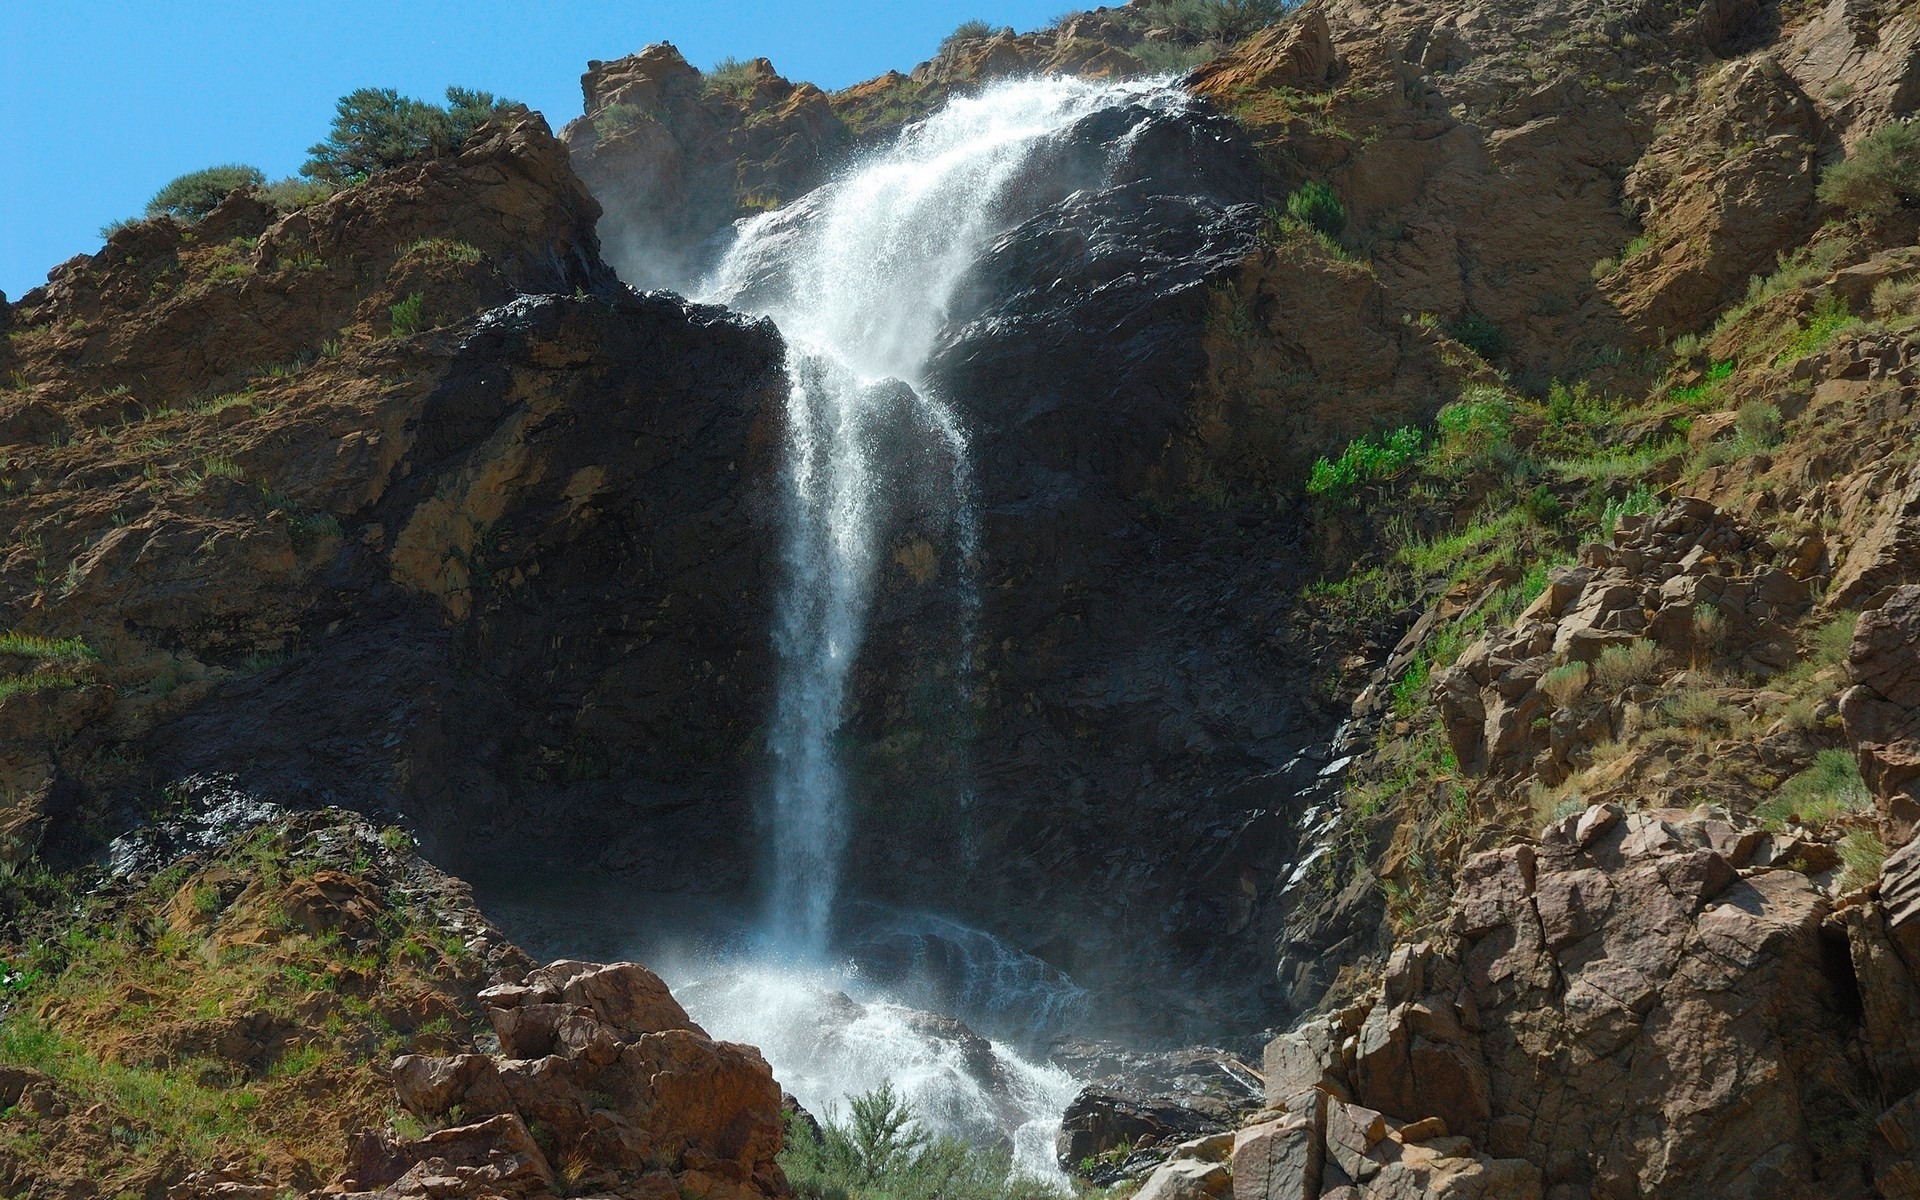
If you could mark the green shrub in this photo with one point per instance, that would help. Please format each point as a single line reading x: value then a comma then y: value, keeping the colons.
x: 1318, y: 205
x: 966, y: 31
x: 1830, y: 788
x: 1881, y: 175
x: 730, y: 77
x: 1757, y: 425
x: 39, y: 649
x: 195, y: 194
x: 407, y: 315
x: 882, y: 1152
x: 1170, y: 58
x: 1896, y: 298
x: 1620, y: 667
x: 1479, y: 335
x: 1366, y: 460
x: 1638, y: 502
x: 1481, y: 419
x: 293, y: 193
x: 1827, y: 320
x: 378, y: 128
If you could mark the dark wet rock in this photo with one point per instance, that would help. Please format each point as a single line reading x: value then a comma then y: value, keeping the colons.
x: 212, y: 811
x: 1099, y: 1122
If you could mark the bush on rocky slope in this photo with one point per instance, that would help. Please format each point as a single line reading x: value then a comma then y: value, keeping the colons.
x: 1881, y: 174
x: 195, y: 194
x: 378, y: 128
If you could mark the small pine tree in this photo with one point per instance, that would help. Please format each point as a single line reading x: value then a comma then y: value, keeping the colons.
x: 195, y: 194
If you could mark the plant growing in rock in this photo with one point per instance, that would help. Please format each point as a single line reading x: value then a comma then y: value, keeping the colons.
x: 407, y: 318
x: 1881, y: 175
x: 1222, y: 21
x: 1318, y: 206
x: 1620, y: 667
x: 731, y: 78
x: 1895, y: 299
x: 1479, y: 335
x: 966, y: 31
x: 1566, y: 683
x: 616, y: 119
x: 195, y: 194
x: 1365, y: 460
x: 1829, y: 789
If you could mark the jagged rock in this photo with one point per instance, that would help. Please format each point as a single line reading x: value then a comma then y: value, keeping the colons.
x: 1281, y: 1159
x: 1652, y: 583
x: 1716, y: 218
x: 1293, y: 54
x: 1098, y: 1120
x: 626, y: 1083
x: 497, y: 1157
x: 1885, y: 556
x: 1882, y: 710
x: 1594, y: 981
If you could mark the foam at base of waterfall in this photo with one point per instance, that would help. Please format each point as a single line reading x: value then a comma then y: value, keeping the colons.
x: 828, y: 1040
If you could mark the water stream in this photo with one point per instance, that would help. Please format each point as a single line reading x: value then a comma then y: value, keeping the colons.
x: 860, y: 276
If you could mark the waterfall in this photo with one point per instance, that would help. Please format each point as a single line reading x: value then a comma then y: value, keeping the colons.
x: 859, y: 276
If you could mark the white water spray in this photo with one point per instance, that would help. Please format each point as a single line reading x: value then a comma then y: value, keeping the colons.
x: 859, y: 276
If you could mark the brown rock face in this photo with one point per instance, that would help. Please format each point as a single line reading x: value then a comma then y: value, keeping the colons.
x: 1296, y: 54
x: 1623, y: 1013
x: 618, y: 1082
x: 1882, y: 709
x: 1727, y: 189
x: 677, y: 157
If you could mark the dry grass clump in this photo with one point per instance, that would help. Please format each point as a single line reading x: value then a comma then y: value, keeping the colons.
x: 1620, y: 667
x: 1565, y: 684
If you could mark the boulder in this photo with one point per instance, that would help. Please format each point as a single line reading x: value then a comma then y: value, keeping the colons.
x: 1293, y: 54
x: 634, y: 1092
x: 1617, y: 972
x: 1187, y: 1179
x: 1099, y: 1120
x: 1280, y: 1159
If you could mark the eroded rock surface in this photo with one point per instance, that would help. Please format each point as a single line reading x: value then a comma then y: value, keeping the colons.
x: 627, y: 1094
x: 1625, y: 1007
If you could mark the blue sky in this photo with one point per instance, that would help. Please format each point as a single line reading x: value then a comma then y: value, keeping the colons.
x: 103, y: 103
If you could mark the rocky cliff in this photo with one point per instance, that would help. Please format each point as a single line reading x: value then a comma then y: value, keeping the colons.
x: 1547, y: 770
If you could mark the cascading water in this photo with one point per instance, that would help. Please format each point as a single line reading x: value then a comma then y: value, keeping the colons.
x: 859, y: 276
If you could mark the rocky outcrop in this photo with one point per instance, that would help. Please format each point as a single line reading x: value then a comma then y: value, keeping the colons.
x: 1601, y: 998
x: 1882, y: 709
x: 207, y: 327
x: 1295, y: 54
x: 676, y: 157
x: 1724, y: 191
x: 625, y: 1092
x: 1683, y: 583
